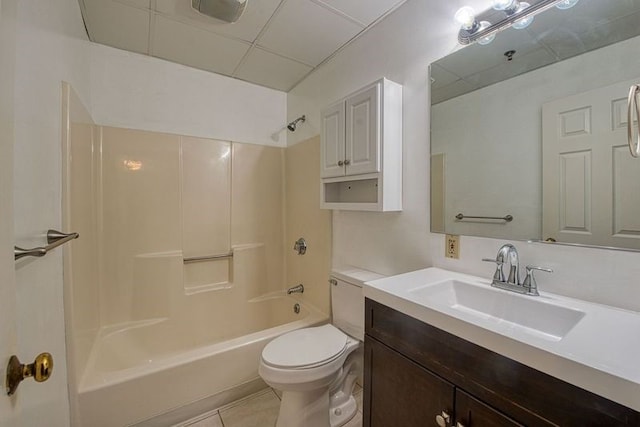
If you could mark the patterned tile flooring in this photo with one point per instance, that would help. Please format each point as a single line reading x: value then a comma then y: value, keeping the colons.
x: 258, y: 410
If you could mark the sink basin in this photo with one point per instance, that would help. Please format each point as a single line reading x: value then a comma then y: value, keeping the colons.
x: 592, y: 346
x: 531, y: 315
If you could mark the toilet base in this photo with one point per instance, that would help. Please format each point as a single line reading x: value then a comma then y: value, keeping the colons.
x: 342, y: 414
x: 305, y: 409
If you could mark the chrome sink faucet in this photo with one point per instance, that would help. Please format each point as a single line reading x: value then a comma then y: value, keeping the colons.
x: 508, y: 253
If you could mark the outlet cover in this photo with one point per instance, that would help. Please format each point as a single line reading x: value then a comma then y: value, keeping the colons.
x: 452, y: 246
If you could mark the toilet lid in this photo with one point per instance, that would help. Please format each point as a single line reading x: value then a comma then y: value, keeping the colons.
x: 305, y: 347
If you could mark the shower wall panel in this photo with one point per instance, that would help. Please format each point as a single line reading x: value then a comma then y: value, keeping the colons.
x: 138, y: 216
x: 83, y: 281
x: 206, y: 212
x: 306, y: 219
x: 206, y: 194
x: 257, y: 206
x: 155, y: 199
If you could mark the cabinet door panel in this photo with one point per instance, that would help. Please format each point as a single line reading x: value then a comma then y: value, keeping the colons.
x: 332, y: 145
x: 363, y: 132
x: 400, y: 393
x: 473, y: 413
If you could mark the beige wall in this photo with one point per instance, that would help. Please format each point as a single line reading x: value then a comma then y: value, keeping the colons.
x: 304, y: 218
x: 143, y: 200
x: 257, y: 224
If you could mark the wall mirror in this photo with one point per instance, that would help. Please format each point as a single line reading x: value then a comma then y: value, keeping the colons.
x: 534, y: 126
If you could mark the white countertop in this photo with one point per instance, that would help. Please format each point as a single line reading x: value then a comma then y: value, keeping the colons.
x: 601, y: 353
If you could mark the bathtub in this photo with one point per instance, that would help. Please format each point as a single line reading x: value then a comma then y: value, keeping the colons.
x: 137, y: 375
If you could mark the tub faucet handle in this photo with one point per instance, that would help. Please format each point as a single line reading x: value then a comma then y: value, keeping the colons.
x: 300, y: 246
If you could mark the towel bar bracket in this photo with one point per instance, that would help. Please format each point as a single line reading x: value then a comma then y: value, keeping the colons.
x: 54, y: 239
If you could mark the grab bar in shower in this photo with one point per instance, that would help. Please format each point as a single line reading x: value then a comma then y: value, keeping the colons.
x: 207, y: 258
x: 507, y: 218
x: 54, y: 239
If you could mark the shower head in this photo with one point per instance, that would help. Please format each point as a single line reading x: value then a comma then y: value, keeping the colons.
x: 292, y: 126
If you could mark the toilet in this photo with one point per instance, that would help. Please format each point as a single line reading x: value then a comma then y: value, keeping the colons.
x: 316, y: 368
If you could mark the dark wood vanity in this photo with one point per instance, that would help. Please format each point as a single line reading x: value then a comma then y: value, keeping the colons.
x: 415, y: 372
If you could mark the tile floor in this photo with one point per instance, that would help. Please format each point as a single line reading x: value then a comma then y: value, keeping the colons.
x: 258, y: 410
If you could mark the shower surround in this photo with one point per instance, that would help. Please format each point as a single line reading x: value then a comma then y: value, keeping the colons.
x: 152, y: 335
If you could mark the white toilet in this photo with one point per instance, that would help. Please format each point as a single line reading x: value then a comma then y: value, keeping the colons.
x: 316, y: 368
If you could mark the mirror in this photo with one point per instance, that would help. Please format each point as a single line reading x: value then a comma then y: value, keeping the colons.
x: 534, y: 126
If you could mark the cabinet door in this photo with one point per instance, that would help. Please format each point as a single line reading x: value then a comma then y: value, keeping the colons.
x: 332, y: 141
x: 400, y: 393
x: 473, y: 413
x: 363, y: 132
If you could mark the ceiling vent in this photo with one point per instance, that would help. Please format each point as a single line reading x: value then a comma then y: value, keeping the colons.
x: 224, y: 10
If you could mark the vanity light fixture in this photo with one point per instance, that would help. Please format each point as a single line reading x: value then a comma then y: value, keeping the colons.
x: 566, y: 4
x: 482, y: 28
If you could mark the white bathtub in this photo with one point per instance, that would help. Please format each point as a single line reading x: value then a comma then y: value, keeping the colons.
x: 161, y: 371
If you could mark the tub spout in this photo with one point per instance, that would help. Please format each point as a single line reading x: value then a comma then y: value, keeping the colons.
x: 296, y: 289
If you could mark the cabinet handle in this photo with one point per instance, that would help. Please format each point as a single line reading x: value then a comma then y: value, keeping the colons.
x: 340, y: 163
x: 347, y: 162
x: 443, y: 419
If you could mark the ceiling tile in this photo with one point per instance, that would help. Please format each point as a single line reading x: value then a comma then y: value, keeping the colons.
x: 478, y: 57
x: 271, y: 70
x: 254, y: 18
x: 307, y: 32
x: 441, y: 77
x: 196, y: 47
x: 363, y: 11
x: 140, y: 4
x: 131, y: 31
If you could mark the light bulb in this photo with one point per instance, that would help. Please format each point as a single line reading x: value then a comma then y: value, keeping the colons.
x: 524, y: 22
x: 566, y: 4
x: 503, y: 4
x: 466, y: 17
x: 487, y: 39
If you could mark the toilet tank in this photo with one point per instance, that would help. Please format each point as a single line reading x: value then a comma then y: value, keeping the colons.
x: 347, y: 299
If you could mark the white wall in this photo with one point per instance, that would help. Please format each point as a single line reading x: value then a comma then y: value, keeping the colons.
x: 136, y: 91
x: 400, y: 48
x: 51, y: 46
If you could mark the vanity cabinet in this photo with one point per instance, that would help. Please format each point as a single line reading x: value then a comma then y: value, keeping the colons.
x: 415, y: 372
x: 402, y: 392
x: 361, y: 150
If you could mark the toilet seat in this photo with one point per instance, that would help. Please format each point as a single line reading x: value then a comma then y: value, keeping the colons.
x: 305, y: 348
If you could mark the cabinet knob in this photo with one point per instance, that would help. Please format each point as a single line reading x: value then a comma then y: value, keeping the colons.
x: 347, y: 162
x: 340, y: 163
x: 443, y: 419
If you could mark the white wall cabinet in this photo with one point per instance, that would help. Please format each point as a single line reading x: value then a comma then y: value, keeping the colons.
x: 361, y: 150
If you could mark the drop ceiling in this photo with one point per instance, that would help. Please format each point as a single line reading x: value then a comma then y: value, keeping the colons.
x: 276, y: 43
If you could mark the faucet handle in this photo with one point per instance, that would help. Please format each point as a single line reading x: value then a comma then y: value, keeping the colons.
x: 499, y: 274
x: 530, y: 281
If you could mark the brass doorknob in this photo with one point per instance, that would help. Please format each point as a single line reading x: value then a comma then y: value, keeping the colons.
x: 40, y: 370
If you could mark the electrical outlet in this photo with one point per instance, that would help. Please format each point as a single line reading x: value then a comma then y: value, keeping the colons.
x: 452, y: 246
